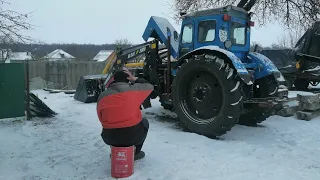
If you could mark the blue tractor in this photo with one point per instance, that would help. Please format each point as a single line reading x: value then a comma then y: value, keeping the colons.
x: 207, y: 74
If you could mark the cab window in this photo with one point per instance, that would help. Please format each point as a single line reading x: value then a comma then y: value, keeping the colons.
x: 206, y: 31
x: 187, y: 34
x: 238, y: 33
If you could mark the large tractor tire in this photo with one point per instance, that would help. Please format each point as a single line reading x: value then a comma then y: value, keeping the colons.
x: 264, y: 87
x: 206, y: 96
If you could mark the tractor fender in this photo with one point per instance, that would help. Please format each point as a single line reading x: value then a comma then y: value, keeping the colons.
x: 264, y: 67
x: 215, y: 50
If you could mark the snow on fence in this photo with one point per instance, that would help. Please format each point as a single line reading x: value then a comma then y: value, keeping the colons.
x: 65, y: 74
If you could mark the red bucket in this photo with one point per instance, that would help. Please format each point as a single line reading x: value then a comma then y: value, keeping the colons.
x: 122, y: 161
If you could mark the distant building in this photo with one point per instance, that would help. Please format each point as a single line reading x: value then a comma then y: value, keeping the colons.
x: 58, y: 55
x: 9, y: 57
x: 103, y: 55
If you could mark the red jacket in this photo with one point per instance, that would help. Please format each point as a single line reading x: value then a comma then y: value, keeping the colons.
x: 119, y: 105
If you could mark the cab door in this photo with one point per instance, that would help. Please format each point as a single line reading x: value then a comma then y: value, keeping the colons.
x: 187, y: 37
x: 240, y: 37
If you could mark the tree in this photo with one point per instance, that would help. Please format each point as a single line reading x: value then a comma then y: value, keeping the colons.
x: 290, y: 37
x: 12, y: 24
x: 122, y: 42
x: 286, y: 12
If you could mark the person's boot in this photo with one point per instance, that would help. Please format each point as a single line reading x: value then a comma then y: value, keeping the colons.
x: 139, y: 155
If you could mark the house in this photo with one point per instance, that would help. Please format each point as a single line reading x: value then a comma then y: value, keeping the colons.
x: 103, y: 55
x: 58, y: 55
x: 8, y: 56
x: 20, y: 56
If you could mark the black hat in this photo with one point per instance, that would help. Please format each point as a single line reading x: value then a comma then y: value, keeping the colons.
x: 120, y: 76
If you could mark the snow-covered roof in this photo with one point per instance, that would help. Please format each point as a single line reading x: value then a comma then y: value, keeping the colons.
x: 20, y: 56
x: 103, y: 55
x: 9, y: 56
x: 59, y: 54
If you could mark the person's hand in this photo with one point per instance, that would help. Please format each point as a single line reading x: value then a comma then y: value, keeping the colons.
x: 131, y: 77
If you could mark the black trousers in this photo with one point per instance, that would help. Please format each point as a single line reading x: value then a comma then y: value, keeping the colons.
x: 130, y: 136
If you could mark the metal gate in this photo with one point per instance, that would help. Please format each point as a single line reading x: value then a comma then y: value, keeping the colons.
x: 12, y: 90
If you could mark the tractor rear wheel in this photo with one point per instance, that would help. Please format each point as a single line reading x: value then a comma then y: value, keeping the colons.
x: 265, y: 87
x: 206, y: 96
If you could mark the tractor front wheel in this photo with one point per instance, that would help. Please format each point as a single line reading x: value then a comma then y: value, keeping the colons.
x: 206, y: 96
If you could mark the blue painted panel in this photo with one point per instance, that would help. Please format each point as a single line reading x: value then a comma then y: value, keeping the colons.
x: 264, y: 66
x: 250, y: 65
x: 157, y: 26
x: 235, y: 60
x: 238, y: 50
x: 216, y: 41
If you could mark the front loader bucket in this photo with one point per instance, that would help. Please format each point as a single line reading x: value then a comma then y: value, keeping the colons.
x: 89, y: 88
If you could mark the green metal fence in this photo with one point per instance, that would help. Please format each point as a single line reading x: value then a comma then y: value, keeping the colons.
x: 12, y: 90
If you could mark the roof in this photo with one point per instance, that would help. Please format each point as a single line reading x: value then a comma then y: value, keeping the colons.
x: 18, y: 56
x: 103, y: 55
x: 8, y: 55
x: 59, y: 54
x: 231, y: 10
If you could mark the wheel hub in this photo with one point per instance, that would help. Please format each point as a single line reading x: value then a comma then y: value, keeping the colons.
x: 203, y: 96
x: 200, y: 93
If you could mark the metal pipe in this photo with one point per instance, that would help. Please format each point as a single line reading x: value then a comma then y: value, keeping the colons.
x: 169, y: 62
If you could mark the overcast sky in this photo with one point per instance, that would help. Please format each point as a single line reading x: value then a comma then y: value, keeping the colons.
x: 104, y: 21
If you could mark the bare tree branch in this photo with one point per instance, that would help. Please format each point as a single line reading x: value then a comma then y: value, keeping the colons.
x: 287, y: 12
x: 122, y: 42
x: 12, y: 25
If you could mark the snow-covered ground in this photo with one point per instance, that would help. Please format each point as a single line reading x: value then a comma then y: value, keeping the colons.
x: 69, y: 146
x: 295, y: 93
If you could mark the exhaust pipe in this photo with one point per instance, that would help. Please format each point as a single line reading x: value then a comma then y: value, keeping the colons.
x: 242, y: 3
x: 250, y: 4
x: 246, y: 5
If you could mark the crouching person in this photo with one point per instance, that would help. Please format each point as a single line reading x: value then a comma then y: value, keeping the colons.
x: 118, y: 109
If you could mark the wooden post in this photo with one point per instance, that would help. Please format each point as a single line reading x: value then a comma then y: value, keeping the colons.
x: 27, y: 90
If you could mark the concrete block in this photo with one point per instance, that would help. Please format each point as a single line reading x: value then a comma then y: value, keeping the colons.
x: 289, y: 109
x: 302, y: 115
x: 309, y: 106
x: 309, y: 98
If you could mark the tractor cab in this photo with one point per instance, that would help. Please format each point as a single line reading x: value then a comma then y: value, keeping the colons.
x: 227, y: 27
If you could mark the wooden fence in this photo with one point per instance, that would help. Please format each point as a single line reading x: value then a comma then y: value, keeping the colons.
x: 64, y: 73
